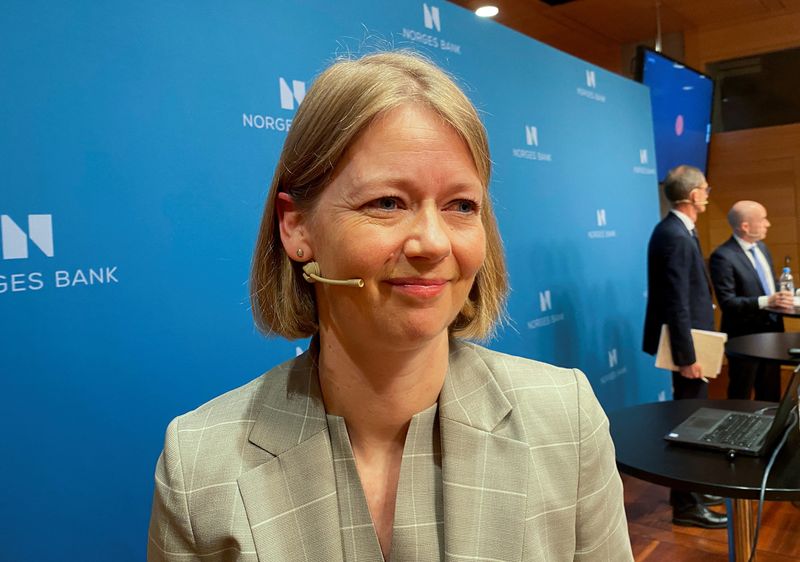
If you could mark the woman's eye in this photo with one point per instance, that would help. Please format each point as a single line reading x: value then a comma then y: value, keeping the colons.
x: 386, y: 203
x: 465, y: 206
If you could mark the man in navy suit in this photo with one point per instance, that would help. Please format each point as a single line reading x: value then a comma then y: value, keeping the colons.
x: 742, y: 273
x: 679, y: 295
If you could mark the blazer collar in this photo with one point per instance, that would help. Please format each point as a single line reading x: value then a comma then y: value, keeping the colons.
x: 687, y: 223
x: 292, y: 410
x: 291, y: 499
x: 471, y: 395
x: 744, y: 260
x: 741, y: 243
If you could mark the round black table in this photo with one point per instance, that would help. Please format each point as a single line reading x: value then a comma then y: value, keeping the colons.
x: 638, y: 434
x: 768, y: 346
x: 791, y: 313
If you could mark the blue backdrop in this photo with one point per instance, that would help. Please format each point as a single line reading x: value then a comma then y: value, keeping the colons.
x: 138, y: 143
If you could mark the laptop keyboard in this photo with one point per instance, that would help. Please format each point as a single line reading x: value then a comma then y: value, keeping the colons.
x: 742, y: 430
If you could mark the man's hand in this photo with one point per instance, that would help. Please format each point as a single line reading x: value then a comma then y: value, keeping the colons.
x: 693, y: 371
x: 782, y: 299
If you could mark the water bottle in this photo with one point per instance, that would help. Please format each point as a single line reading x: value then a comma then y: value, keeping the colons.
x: 786, y: 282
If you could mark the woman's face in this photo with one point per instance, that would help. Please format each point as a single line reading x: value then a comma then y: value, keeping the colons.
x: 403, y: 213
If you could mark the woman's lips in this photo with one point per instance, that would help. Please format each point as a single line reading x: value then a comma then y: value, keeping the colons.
x: 417, y: 286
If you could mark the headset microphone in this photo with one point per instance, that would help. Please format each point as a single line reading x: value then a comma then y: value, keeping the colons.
x: 311, y: 274
x: 705, y: 202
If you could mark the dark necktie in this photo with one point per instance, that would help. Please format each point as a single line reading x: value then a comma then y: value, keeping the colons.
x: 696, y: 239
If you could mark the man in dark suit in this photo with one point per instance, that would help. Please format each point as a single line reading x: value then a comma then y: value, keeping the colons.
x: 742, y: 273
x: 679, y: 295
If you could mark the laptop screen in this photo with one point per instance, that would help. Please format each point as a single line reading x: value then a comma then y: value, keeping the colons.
x: 787, y: 403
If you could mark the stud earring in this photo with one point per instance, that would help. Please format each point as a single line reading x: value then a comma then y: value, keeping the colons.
x: 300, y: 253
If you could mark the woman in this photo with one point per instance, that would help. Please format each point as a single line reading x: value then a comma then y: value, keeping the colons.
x: 391, y: 437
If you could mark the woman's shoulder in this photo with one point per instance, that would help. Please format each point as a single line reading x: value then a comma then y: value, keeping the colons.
x: 530, y: 383
x: 512, y: 369
x: 551, y: 402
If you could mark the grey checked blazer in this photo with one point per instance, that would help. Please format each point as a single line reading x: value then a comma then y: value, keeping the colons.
x: 527, y: 467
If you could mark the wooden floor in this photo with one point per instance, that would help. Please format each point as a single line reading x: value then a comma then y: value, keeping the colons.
x: 654, y: 538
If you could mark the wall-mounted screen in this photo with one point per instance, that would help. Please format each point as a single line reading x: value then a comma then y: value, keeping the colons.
x: 681, y: 100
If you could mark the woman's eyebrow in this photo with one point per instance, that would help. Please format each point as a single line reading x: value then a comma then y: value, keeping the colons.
x: 401, y: 182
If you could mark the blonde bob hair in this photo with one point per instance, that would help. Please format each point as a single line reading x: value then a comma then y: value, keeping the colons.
x: 341, y: 104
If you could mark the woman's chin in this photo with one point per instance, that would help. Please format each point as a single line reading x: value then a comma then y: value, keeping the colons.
x: 408, y: 333
x: 385, y: 325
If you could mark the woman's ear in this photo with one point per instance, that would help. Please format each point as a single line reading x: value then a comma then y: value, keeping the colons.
x: 293, y: 228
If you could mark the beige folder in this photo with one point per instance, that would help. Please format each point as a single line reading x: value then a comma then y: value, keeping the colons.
x: 709, y: 347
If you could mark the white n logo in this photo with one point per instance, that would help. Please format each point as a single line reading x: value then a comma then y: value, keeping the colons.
x: 545, y: 302
x: 15, y: 241
x: 612, y: 358
x: 591, y: 80
x: 601, y: 217
x: 431, y: 16
x: 289, y: 95
x: 531, y: 136
x: 643, y: 156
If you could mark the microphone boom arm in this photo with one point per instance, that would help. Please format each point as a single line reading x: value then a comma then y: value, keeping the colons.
x: 311, y: 273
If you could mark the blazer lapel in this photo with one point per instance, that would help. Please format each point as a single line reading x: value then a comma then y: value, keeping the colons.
x: 702, y: 260
x: 746, y: 265
x: 484, y: 474
x: 291, y: 500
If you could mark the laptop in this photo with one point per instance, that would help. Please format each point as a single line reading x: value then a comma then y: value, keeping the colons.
x: 738, y: 433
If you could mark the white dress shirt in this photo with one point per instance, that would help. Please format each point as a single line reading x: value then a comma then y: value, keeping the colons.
x: 762, y: 300
x: 687, y: 222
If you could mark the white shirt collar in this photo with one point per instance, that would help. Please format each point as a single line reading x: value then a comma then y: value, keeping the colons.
x: 745, y: 245
x: 687, y: 222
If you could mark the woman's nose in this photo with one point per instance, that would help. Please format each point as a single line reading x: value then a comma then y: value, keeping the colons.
x: 428, y: 236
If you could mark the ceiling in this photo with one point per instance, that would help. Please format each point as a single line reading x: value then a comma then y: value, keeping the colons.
x: 626, y: 21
